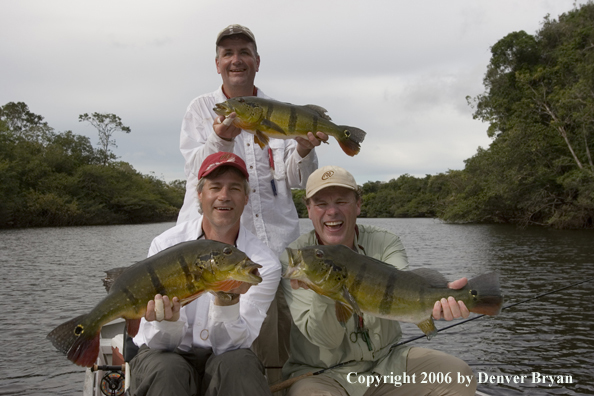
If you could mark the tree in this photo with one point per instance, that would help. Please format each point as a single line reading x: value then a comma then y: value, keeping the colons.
x: 16, y: 118
x: 106, y: 125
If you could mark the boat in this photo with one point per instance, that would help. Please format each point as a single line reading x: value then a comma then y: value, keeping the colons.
x: 108, y: 376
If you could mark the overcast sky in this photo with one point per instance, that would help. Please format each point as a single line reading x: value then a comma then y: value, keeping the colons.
x: 400, y: 70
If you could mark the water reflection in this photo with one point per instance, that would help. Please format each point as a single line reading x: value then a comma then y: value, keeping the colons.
x: 51, y: 275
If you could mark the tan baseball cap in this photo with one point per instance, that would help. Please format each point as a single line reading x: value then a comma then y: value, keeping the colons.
x: 329, y: 176
x: 235, y: 29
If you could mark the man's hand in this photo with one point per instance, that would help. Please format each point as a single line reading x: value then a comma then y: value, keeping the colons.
x: 450, y: 309
x: 231, y: 297
x: 170, y: 309
x: 224, y: 128
x: 296, y: 284
x: 304, y: 146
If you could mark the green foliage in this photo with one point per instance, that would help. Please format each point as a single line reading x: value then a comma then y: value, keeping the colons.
x: 58, y: 179
x: 107, y: 125
x: 298, y: 200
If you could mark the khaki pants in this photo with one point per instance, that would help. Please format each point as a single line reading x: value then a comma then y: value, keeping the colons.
x: 420, y: 360
x: 198, y: 372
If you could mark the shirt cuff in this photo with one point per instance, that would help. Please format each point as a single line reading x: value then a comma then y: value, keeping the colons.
x: 220, y: 144
x: 223, y: 313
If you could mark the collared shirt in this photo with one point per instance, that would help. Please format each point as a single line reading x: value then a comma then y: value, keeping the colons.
x: 201, y: 322
x: 272, y: 218
x: 319, y: 341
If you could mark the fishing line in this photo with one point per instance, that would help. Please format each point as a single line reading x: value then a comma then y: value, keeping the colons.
x: 291, y: 381
x: 480, y: 316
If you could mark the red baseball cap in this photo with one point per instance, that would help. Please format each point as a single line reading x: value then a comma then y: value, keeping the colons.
x: 222, y: 158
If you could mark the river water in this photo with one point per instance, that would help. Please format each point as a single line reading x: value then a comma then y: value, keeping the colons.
x: 50, y: 275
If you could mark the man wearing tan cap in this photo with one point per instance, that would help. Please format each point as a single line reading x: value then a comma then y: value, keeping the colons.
x: 319, y: 341
x: 203, y: 347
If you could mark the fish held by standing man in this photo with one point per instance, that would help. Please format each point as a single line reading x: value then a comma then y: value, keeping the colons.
x: 268, y: 118
x: 186, y: 271
x: 362, y: 284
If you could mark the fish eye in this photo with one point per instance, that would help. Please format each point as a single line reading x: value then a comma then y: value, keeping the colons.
x: 319, y: 253
x: 227, y: 250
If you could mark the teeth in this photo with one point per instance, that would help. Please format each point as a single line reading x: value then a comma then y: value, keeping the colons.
x: 223, y: 208
x: 333, y: 223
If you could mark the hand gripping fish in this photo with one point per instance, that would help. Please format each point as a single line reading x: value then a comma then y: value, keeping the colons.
x: 186, y: 271
x: 267, y: 118
x: 361, y: 284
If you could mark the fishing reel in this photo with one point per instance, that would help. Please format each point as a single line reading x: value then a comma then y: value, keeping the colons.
x: 113, y: 382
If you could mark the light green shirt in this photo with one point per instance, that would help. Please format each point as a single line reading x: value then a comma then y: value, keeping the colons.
x: 319, y: 341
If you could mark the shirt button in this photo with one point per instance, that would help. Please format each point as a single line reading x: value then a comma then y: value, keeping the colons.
x: 257, y: 215
x: 248, y: 145
x: 251, y: 167
x: 254, y: 190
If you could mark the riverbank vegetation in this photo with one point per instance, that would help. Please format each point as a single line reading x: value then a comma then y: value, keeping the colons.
x: 538, y: 170
x: 59, y: 179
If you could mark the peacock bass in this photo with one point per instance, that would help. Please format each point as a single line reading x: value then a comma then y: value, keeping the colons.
x: 362, y: 284
x: 267, y: 118
x: 185, y: 271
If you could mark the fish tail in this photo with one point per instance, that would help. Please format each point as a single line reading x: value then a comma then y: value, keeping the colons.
x: 78, y: 340
x: 486, y: 294
x: 350, y: 139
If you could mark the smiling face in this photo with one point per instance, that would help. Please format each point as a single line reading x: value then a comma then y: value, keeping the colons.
x: 222, y: 199
x: 237, y: 62
x: 333, y: 212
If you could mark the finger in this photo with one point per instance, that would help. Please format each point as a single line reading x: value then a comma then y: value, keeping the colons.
x: 458, y: 284
x: 454, y: 307
x: 176, y: 305
x: 294, y: 284
x: 150, y: 311
x: 447, y: 312
x: 304, y: 142
x: 322, y: 136
x: 463, y: 309
x: 437, y: 310
x: 229, y: 120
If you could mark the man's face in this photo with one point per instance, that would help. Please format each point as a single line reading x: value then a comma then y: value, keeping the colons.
x: 223, y: 198
x: 237, y: 62
x: 333, y: 212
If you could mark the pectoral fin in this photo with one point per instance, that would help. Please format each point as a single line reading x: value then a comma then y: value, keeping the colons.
x: 428, y: 327
x: 261, y: 139
x: 343, y: 312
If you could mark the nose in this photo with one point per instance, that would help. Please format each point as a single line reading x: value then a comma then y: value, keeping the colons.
x: 223, y: 194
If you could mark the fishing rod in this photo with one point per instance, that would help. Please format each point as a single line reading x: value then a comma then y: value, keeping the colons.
x: 285, y: 384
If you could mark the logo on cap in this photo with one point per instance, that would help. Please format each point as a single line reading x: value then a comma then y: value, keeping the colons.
x: 327, y: 175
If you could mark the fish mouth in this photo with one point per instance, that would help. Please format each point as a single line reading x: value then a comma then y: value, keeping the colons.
x: 222, y: 109
x: 293, y: 271
x: 251, y: 272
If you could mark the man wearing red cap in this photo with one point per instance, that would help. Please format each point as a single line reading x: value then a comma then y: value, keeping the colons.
x: 200, y: 348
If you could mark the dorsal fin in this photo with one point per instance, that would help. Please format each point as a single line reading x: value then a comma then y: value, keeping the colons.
x: 320, y: 110
x: 434, y: 278
x: 111, y: 276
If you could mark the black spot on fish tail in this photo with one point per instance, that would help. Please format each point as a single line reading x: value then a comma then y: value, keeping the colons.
x: 186, y: 270
x: 159, y: 288
x: 292, y: 119
x: 388, y: 299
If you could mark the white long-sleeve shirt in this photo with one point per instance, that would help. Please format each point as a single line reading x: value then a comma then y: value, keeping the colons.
x: 273, y: 219
x: 203, y: 324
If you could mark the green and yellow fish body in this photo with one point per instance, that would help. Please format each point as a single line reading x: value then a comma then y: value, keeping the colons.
x: 185, y: 271
x: 267, y: 118
x: 362, y: 284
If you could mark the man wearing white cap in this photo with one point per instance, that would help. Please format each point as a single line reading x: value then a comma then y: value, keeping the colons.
x: 270, y: 213
x: 319, y: 341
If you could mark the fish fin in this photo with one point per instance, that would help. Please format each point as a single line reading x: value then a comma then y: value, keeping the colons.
x: 349, y: 298
x: 320, y: 111
x: 79, y: 342
x: 261, y: 139
x: 111, y: 276
x: 434, y: 278
x: 191, y: 298
x: 486, y: 294
x: 428, y: 327
x: 350, y: 139
x: 343, y: 312
x: 271, y: 126
x: 132, y: 326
